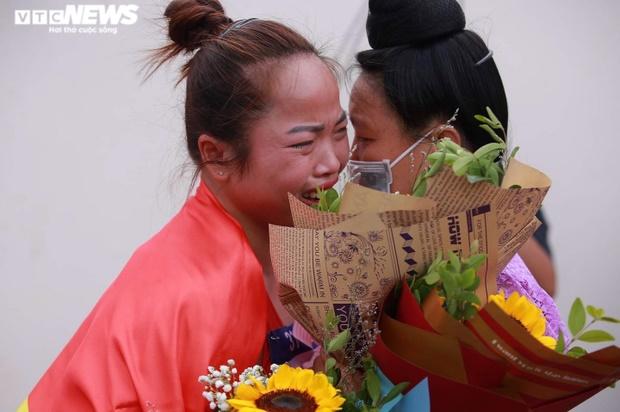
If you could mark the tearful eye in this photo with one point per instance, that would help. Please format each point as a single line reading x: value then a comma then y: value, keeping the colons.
x: 340, y: 133
x: 302, y: 145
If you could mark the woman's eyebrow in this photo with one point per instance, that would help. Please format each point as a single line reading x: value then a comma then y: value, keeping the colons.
x: 315, y: 128
x: 343, y: 117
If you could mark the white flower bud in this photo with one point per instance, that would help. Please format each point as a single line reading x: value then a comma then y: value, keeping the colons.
x: 227, y: 388
x: 212, y: 406
x: 231, y: 362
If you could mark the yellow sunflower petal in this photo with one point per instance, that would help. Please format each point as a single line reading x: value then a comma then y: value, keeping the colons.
x: 319, y: 393
x: 247, y: 392
x: 243, y: 405
x: 303, y: 379
x: 528, y: 317
x: 319, y: 382
x: 331, y: 403
x: 540, y: 326
x: 283, y: 378
x: 548, y: 341
x: 498, y: 299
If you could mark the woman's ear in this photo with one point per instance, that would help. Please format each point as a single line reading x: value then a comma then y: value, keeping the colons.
x: 215, y: 155
x: 451, y: 133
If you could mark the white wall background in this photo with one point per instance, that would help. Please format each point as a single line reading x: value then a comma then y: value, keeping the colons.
x: 90, y: 157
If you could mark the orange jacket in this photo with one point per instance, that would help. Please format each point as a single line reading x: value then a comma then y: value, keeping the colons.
x: 190, y: 297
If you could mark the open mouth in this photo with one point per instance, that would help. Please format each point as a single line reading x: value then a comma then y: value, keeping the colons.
x: 311, y: 197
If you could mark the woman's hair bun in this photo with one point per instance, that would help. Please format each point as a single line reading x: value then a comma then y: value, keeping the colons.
x: 192, y: 22
x: 399, y: 22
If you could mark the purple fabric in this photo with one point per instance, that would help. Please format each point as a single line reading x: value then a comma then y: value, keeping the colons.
x: 516, y: 277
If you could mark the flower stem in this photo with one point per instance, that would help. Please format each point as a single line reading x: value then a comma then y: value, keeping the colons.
x: 577, y: 335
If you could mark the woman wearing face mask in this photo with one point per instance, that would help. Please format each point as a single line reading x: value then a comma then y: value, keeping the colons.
x: 201, y: 291
x: 423, y: 65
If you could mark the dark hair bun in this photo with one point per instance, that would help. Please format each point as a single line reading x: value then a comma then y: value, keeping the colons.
x: 399, y: 22
x: 191, y: 22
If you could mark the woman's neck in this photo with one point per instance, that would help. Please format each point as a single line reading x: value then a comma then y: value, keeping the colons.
x: 257, y: 234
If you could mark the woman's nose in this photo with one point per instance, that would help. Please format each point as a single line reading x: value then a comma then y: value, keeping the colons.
x: 329, y: 163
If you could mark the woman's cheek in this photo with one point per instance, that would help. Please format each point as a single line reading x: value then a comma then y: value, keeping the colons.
x: 343, y: 152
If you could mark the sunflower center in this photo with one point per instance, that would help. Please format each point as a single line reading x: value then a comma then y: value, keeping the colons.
x: 285, y: 400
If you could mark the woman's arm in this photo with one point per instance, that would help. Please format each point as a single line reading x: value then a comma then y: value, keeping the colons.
x: 539, y: 262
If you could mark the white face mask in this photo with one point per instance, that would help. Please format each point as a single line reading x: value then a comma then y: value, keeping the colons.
x: 378, y: 174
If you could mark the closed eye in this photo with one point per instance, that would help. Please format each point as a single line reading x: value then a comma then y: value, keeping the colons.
x: 341, y: 132
x: 302, y: 145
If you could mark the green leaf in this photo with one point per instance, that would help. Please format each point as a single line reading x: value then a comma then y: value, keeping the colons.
x: 595, y: 336
x: 331, y: 195
x: 339, y: 341
x: 489, y: 148
x: 393, y: 393
x: 494, y: 176
x: 436, y: 167
x: 416, y: 293
x: 610, y: 319
x: 460, y: 166
x: 433, y: 157
x: 452, y: 306
x: 469, y: 297
x: 449, y: 282
x: 373, y: 384
x: 330, y: 320
x: 576, y: 352
x: 468, y: 278
x: 513, y: 153
x: 451, y: 158
x: 330, y: 363
x: 335, y: 206
x: 333, y: 375
x: 420, y: 188
x: 491, y: 132
x: 483, y: 119
x: 476, y: 179
x: 454, y: 261
x: 596, y: 313
x: 470, y: 312
x: 576, y: 317
x: 431, y: 278
x: 474, y: 248
x: 560, y: 344
x: 451, y: 146
x: 493, y: 118
x: 475, y: 261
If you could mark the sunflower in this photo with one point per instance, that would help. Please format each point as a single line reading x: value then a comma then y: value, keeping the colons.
x: 288, y: 389
x: 526, y: 313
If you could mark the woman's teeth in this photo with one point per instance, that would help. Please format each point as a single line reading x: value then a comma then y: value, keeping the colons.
x: 310, y: 195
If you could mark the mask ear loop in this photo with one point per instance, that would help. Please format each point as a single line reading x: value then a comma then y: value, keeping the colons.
x: 358, y: 174
x: 427, y: 134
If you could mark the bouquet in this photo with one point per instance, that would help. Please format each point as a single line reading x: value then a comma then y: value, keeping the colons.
x: 414, y: 281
